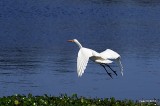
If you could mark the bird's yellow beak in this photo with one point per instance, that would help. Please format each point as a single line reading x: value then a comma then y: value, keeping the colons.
x: 70, y: 40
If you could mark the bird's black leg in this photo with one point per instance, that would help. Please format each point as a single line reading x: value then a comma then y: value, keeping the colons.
x: 111, y: 69
x: 106, y: 70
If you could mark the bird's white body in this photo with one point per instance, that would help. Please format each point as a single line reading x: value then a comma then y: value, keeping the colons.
x: 104, y: 57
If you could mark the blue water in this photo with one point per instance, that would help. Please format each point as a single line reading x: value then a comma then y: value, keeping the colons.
x: 35, y: 57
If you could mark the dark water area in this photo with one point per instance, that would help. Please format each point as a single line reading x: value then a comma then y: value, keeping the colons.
x: 35, y: 57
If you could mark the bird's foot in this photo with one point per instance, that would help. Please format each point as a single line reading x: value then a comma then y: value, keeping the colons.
x: 115, y: 72
x: 110, y: 75
x: 111, y: 69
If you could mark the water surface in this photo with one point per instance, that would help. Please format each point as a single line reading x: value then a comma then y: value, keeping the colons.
x: 35, y: 57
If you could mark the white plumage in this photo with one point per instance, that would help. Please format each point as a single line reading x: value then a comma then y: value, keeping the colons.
x: 104, y: 58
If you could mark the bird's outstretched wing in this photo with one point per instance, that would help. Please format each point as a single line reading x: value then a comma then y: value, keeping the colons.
x: 83, y: 56
x: 109, y: 54
x: 120, y: 64
x: 112, y: 55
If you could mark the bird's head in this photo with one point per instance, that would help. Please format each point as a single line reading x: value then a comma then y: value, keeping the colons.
x: 76, y: 41
x: 73, y: 40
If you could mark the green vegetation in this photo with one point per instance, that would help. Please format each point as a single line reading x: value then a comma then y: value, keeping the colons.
x: 64, y: 100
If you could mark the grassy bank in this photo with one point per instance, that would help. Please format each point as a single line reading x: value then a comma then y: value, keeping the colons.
x: 64, y: 100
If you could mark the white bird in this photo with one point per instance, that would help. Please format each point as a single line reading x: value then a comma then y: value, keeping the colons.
x: 104, y: 58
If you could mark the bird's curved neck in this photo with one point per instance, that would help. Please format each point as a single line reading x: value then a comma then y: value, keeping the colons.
x: 80, y: 46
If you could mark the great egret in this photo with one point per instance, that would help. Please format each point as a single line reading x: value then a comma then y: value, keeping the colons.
x: 104, y: 58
